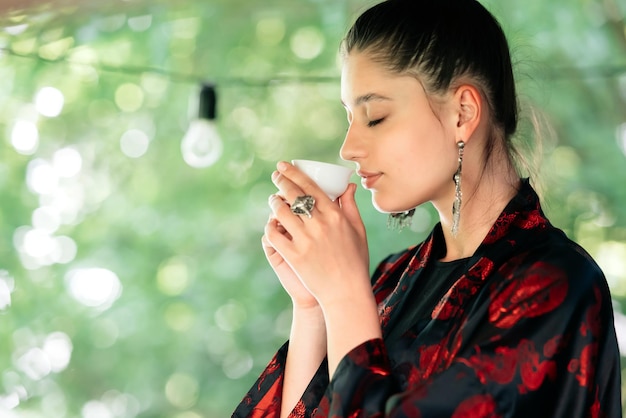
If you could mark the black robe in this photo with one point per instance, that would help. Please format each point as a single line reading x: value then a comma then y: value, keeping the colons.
x: 526, y: 331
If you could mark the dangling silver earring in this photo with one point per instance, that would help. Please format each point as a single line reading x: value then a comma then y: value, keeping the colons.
x: 456, y: 206
x: 400, y: 220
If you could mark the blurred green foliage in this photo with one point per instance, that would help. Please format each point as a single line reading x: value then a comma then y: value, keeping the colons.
x: 134, y: 285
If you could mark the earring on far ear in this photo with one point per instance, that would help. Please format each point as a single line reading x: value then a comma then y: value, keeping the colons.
x: 456, y: 206
x: 400, y: 220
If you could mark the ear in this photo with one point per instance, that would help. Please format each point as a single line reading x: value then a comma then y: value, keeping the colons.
x: 468, y: 103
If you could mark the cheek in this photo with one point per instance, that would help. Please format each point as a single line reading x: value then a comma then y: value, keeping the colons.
x: 419, y: 147
x: 423, y: 166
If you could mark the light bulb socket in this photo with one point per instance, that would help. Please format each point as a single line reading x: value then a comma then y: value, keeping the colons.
x: 207, y: 108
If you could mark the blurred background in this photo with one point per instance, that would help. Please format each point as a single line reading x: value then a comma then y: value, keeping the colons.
x: 132, y: 280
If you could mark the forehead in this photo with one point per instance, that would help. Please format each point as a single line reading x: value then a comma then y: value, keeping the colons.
x: 361, y: 67
x: 364, y: 79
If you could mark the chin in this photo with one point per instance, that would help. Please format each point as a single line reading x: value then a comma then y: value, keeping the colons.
x: 387, y: 206
x: 395, y: 203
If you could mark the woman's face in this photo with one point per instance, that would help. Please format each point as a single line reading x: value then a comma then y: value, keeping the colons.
x: 405, y: 153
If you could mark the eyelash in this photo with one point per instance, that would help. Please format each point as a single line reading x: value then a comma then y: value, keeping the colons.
x: 373, y: 123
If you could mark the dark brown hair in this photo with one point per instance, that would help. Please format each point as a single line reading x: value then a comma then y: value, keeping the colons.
x: 442, y: 43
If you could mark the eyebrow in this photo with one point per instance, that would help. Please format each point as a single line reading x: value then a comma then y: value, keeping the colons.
x: 369, y: 97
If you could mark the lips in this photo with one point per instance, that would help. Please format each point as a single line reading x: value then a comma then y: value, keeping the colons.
x: 368, y: 178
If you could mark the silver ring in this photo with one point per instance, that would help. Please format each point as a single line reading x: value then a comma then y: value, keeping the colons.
x: 303, y: 205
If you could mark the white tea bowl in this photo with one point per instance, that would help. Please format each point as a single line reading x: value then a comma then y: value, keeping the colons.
x: 333, y: 179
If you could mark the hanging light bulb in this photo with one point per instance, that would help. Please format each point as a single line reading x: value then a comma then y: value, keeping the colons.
x: 202, y: 146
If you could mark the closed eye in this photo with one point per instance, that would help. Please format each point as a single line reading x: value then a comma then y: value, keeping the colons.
x: 373, y: 123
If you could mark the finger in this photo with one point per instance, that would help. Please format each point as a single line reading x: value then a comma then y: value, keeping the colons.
x: 287, y: 188
x: 272, y: 256
x: 293, y: 183
x: 275, y: 238
x: 348, y: 205
x: 268, y: 249
x: 266, y: 243
x: 280, y: 227
x: 347, y: 201
x: 283, y: 214
x: 273, y: 219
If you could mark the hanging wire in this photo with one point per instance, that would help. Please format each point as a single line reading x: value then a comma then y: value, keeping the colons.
x: 551, y: 73
x: 178, y: 77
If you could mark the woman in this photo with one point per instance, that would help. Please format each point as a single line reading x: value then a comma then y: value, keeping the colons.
x: 497, y: 313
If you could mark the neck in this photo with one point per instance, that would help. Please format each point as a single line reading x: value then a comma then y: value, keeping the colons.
x: 483, y: 201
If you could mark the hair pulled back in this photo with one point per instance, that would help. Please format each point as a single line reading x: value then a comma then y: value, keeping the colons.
x: 442, y: 42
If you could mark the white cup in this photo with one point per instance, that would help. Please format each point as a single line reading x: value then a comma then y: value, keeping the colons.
x: 333, y: 179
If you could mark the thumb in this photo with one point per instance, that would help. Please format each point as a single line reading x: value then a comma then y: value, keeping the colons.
x: 349, y: 207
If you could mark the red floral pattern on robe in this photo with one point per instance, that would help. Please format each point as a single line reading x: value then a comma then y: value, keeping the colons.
x: 526, y: 331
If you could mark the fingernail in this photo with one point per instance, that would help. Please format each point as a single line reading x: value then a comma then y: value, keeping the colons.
x: 275, y: 174
x: 282, y: 165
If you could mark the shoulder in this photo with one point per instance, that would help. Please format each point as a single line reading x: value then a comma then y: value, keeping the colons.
x: 554, y: 253
x: 556, y: 272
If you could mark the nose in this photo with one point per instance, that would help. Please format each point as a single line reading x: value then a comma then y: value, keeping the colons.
x: 351, y: 149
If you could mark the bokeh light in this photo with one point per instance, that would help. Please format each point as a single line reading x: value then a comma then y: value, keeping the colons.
x: 129, y: 97
x: 49, y: 102
x: 25, y: 137
x: 174, y: 276
x: 7, y: 285
x: 41, y: 177
x: 307, y: 43
x: 270, y: 30
x: 67, y: 162
x: 134, y: 143
x: 181, y: 390
x: 94, y: 287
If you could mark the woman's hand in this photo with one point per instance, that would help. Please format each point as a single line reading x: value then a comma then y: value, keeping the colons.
x: 327, y: 252
x: 300, y: 295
